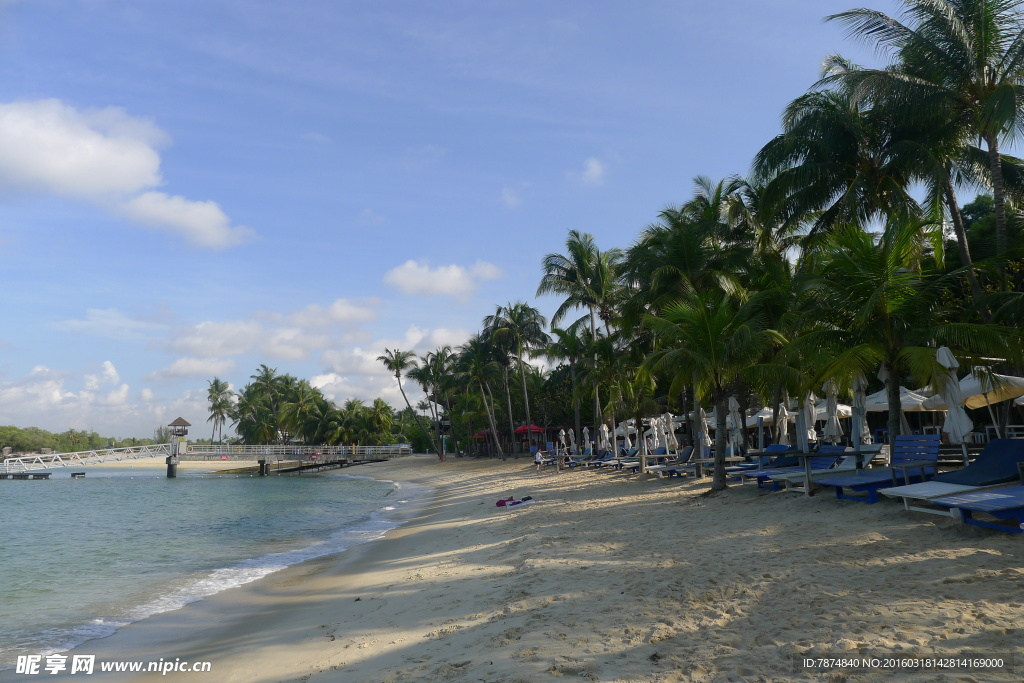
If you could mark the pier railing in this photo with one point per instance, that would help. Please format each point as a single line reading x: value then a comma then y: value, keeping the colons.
x: 292, y: 452
x: 29, y: 463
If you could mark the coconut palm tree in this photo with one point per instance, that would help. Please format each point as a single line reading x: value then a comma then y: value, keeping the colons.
x: 475, y: 366
x: 711, y: 340
x: 522, y: 326
x: 587, y: 278
x: 835, y: 162
x: 569, y: 346
x: 963, y: 57
x: 876, y: 301
x: 399, y: 362
x: 220, y: 396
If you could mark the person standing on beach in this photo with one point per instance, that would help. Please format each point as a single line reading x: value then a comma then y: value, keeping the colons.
x: 539, y: 459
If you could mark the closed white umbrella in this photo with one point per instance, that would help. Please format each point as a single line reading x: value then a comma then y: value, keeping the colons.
x: 623, y: 431
x: 586, y: 438
x: 782, y: 429
x: 561, y: 437
x: 957, y: 425
x: 668, y: 423
x: 702, y: 432
x: 810, y: 416
x: 572, y: 441
x: 733, y: 422
x: 861, y: 433
x: 603, y: 442
x: 833, y: 430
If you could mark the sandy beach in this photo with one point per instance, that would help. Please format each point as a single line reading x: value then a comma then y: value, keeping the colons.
x: 607, y: 577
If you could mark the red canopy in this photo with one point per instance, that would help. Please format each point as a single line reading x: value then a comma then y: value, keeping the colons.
x: 482, y: 434
x: 532, y: 428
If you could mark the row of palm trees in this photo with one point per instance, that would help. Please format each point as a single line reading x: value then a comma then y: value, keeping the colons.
x: 276, y: 408
x: 829, y: 262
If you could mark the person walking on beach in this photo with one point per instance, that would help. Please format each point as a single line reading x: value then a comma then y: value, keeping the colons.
x: 539, y: 459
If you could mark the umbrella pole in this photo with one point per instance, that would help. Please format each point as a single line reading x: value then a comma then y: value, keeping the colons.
x: 995, y: 423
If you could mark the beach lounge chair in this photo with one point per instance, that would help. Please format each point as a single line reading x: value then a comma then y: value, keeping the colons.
x: 995, y: 465
x: 679, y: 468
x: 602, y: 457
x: 784, y: 463
x: 766, y: 478
x: 657, y: 455
x: 794, y: 481
x: 912, y: 457
x: 1003, y: 504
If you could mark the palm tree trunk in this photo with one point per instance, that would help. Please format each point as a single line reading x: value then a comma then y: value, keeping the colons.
x: 426, y: 432
x: 718, y: 482
x: 995, y: 164
x: 892, y: 393
x: 488, y: 407
x: 526, y: 403
x: 511, y: 421
x: 961, y: 240
x: 598, y: 418
x: 576, y: 403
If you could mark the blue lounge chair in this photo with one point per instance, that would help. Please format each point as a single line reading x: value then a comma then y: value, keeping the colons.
x: 995, y: 465
x: 909, y: 454
x: 1006, y: 503
x: 764, y: 477
x: 795, y: 481
x: 679, y: 468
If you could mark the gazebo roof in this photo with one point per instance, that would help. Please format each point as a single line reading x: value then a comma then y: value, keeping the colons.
x: 179, y: 422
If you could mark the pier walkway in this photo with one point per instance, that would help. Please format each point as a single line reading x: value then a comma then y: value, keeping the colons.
x: 308, y: 457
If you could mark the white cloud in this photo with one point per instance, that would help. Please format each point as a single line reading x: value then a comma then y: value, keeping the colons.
x: 106, y: 157
x: 210, y: 339
x: 455, y: 281
x: 108, y: 322
x: 108, y: 375
x: 510, y: 197
x: 371, y: 217
x: 201, y: 223
x: 51, y: 147
x: 340, y: 311
x: 193, y: 367
x: 318, y: 138
x: 593, y: 173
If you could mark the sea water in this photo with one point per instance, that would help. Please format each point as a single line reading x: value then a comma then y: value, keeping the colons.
x: 80, y: 558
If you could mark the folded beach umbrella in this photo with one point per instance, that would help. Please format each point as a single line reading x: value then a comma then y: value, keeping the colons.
x: 833, y: 430
x: 572, y: 440
x: 623, y: 430
x: 586, y: 438
x: 733, y: 422
x: 603, y: 442
x: 668, y: 422
x: 956, y: 425
x: 561, y: 437
x: 782, y: 428
x: 702, y: 431
x: 810, y: 415
x: 861, y: 433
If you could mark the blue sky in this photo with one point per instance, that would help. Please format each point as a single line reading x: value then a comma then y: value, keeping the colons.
x: 190, y: 189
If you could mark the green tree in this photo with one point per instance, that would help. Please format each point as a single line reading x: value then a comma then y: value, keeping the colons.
x: 399, y: 362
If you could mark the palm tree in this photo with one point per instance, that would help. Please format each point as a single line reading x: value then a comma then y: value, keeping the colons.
x: 220, y: 396
x: 476, y: 366
x: 712, y: 340
x: 302, y: 415
x: 523, y: 327
x: 964, y: 57
x: 569, y: 346
x: 588, y: 278
x: 398, y: 362
x: 875, y: 302
x: 836, y: 161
